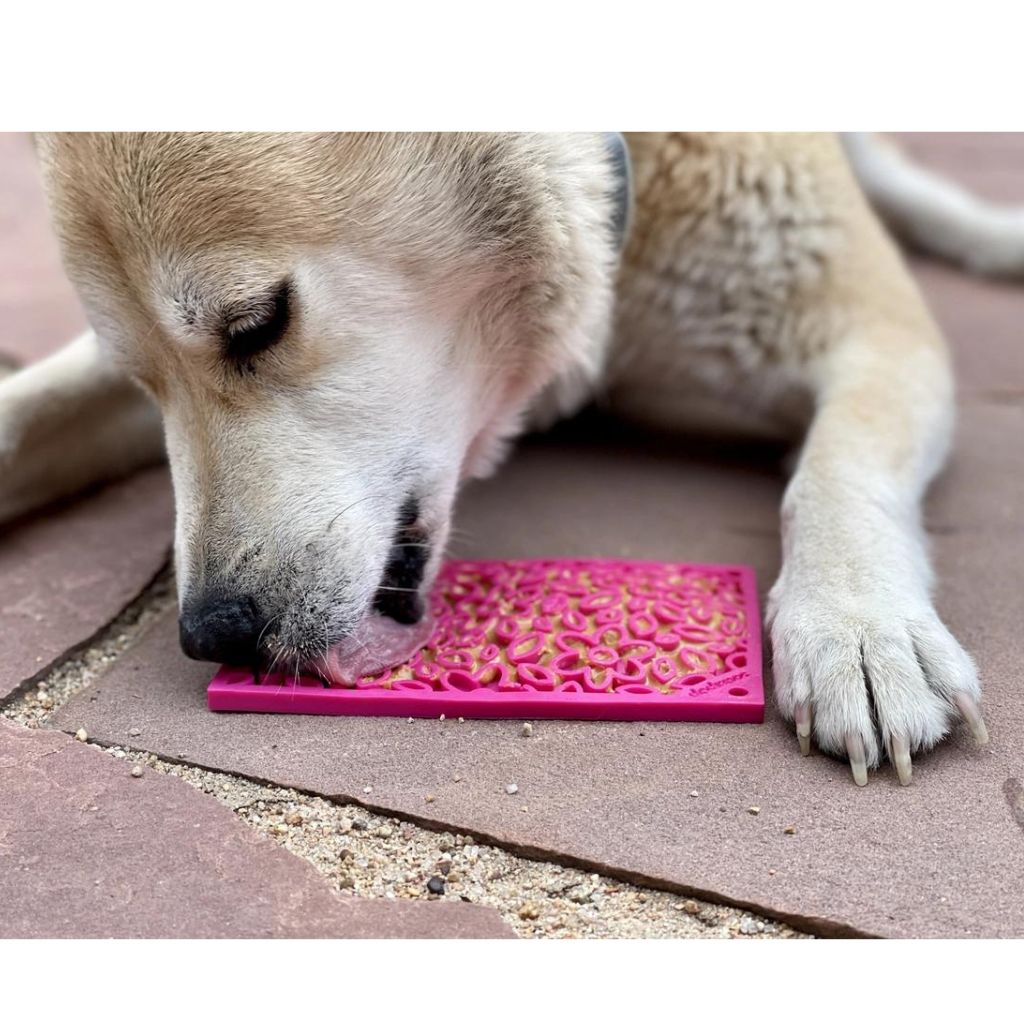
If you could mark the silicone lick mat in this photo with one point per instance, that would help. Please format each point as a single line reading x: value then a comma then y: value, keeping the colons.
x: 584, y: 639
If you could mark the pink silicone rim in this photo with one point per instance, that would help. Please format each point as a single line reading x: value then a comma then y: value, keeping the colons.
x: 732, y: 694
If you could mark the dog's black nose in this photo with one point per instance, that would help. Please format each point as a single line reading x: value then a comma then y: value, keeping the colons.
x: 221, y: 629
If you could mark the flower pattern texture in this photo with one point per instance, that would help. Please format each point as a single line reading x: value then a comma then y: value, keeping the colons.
x: 580, y: 626
x: 585, y: 639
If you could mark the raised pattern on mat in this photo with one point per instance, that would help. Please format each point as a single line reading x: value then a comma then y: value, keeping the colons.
x: 557, y: 639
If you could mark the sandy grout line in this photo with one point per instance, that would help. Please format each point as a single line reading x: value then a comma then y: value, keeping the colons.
x: 374, y: 855
x: 35, y: 700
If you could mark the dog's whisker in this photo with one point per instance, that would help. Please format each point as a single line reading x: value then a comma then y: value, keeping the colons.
x: 347, y: 508
x: 268, y: 624
x: 274, y: 661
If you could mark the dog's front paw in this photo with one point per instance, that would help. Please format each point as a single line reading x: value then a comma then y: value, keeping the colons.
x: 870, y: 673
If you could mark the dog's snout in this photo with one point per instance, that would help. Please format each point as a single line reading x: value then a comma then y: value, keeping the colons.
x: 222, y: 628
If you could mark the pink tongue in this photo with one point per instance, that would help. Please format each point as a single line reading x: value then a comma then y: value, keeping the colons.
x: 381, y: 643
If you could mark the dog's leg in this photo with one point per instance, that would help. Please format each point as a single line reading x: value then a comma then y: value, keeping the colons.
x: 70, y: 421
x: 862, y: 661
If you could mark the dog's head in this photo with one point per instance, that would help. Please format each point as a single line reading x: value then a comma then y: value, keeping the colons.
x: 337, y: 329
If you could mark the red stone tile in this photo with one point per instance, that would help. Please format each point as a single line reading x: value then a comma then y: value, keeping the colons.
x: 87, y: 851
x: 67, y: 573
x: 39, y: 311
x: 983, y: 322
x: 603, y: 489
x: 982, y: 488
x: 988, y: 163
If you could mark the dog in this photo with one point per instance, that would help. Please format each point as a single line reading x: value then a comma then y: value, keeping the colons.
x: 328, y: 333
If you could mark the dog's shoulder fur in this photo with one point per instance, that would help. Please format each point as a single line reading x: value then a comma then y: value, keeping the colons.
x: 751, y: 256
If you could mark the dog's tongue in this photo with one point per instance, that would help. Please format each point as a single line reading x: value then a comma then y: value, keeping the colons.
x: 380, y: 643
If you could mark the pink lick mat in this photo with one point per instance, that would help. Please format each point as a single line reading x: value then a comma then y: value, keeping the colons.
x: 585, y: 639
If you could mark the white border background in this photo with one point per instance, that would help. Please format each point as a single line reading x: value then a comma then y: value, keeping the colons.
x: 526, y: 64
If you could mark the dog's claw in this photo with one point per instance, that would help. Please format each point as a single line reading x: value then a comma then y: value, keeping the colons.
x: 803, y: 727
x: 901, y: 759
x: 972, y: 713
x: 858, y: 759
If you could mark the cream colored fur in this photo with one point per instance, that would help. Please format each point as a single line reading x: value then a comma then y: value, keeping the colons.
x: 451, y: 286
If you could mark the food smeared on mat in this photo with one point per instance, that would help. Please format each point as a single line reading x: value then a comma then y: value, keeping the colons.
x: 586, y: 639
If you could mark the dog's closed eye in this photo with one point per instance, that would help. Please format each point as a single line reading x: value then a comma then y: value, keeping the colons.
x: 259, y: 327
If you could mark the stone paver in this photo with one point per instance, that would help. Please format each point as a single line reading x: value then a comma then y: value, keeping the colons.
x: 66, y: 574
x: 982, y: 488
x: 39, y: 306
x: 988, y: 163
x: 983, y: 320
x: 89, y: 851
